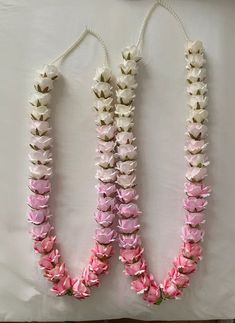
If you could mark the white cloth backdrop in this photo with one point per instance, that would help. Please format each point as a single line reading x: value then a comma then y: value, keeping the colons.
x: 34, y: 32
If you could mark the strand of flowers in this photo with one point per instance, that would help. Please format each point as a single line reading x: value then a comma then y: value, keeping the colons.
x: 131, y: 250
x: 43, y: 234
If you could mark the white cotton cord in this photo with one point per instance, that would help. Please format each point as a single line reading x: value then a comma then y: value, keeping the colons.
x: 165, y: 5
x: 102, y: 43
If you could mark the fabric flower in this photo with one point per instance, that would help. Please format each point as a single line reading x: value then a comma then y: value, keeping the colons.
x: 129, y: 67
x: 50, y: 260
x: 195, y: 146
x: 125, y: 96
x: 197, y: 189
x: 124, y: 137
x: 38, y: 201
x: 98, y: 266
x: 123, y: 110
x: 126, y: 167
x: 197, y: 130
x: 80, y: 290
x: 170, y: 290
x: 136, y: 268
x: 40, y: 157
x: 198, y: 101
x: 106, y: 132
x: 153, y: 294
x: 43, y: 142
x: 40, y: 186
x: 39, y: 172
x: 106, y: 189
x: 104, y: 118
x: 41, y: 231
x: 106, y: 175
x: 105, y: 146
x: 194, y: 204
x: 90, y: 278
x: 43, y: 85
x: 131, y: 241
x: 126, y: 81
x: 178, y: 279
x: 102, y: 104
x: 38, y: 216
x: 39, y: 128
x: 128, y: 225
x: 194, y: 47
x: 56, y: 273
x: 44, y: 246
x: 49, y: 71
x: 198, y: 160
x: 194, y: 219
x: 106, y: 160
x: 105, y: 219
x: 105, y: 235
x: 103, y: 74
x: 196, y: 174
x: 141, y: 284
x: 197, y: 88
x: 184, y: 265
x: 192, y: 251
x: 195, y: 60
x: 196, y: 74
x: 190, y: 234
x: 106, y: 203
x: 102, y: 251
x: 198, y: 115
x: 62, y: 287
x: 124, y: 123
x: 127, y: 152
x: 129, y: 256
x: 41, y: 113
x: 102, y: 90
x: 126, y: 181
x: 39, y: 99
x: 131, y: 53
x: 127, y: 195
x: 129, y: 210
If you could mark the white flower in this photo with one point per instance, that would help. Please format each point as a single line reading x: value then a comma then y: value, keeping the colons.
x: 106, y: 175
x: 126, y: 181
x: 131, y: 52
x: 195, y: 146
x: 123, y: 138
x: 129, y: 67
x: 102, y: 90
x: 104, y: 118
x: 106, y: 132
x: 197, y: 88
x: 49, y: 71
x: 124, y: 110
x: 198, y: 101
x: 124, y: 123
x: 102, y: 104
x: 41, y: 142
x: 196, y: 74
x: 196, y: 174
x: 106, y: 160
x: 44, y: 157
x: 197, y: 130
x: 198, y: 160
x: 127, y: 152
x: 41, y: 113
x: 103, y: 74
x: 126, y: 81
x: 105, y: 146
x: 198, y: 115
x: 39, y: 99
x: 195, y: 47
x: 40, y: 128
x: 125, y: 96
x: 43, y: 85
x: 195, y: 60
x: 126, y: 167
x: 40, y: 171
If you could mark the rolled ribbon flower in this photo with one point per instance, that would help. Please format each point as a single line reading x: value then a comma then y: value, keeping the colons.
x: 105, y: 219
x: 194, y: 204
x: 129, y: 241
x: 192, y: 251
x: 102, y: 252
x: 45, y: 246
x: 130, y: 255
x: 80, y: 290
x: 190, y: 234
x: 105, y: 235
x: 62, y: 287
x: 41, y: 231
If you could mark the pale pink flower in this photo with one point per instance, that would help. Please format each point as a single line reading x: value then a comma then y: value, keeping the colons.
x: 105, y: 160
x: 185, y: 265
x: 194, y: 219
x: 105, y: 219
x: 170, y: 290
x: 56, y: 273
x: 127, y: 195
x: 197, y: 189
x: 124, y: 137
x: 197, y: 130
x: 195, y: 146
x: 141, y: 284
x: 105, y: 235
x: 103, y: 251
x: 190, y: 234
x: 41, y: 142
x: 40, y: 186
x: 196, y: 174
x: 126, y: 167
x: 41, y: 231
x: 108, y: 175
x: 127, y: 152
x: 198, y: 160
x: 105, y: 146
x: 106, y: 132
x: 129, y: 210
x: 131, y: 241
x: 38, y: 216
x: 98, y: 266
x: 130, y: 255
x: 192, y: 251
x: 50, y: 260
x: 38, y: 201
x: 106, y: 189
x: 153, y: 294
x: 63, y: 286
x: 39, y: 128
x: 90, y: 278
x: 194, y: 204
x: 180, y: 280
x: 44, y: 246
x: 126, y: 181
x: 136, y: 268
x: 106, y: 203
x: 128, y: 225
x: 80, y: 290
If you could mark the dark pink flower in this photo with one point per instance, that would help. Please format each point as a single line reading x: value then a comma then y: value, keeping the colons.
x: 63, y: 286
x: 141, y: 284
x: 190, y: 234
x: 185, y: 265
x: 41, y: 231
x: 103, y: 251
x: 192, y: 251
x: 180, y: 280
x: 45, y: 245
x: 56, y: 273
x: 128, y: 256
x: 80, y: 290
x: 170, y: 290
x: 136, y: 268
x: 131, y: 241
x: 50, y: 260
x: 90, y: 278
x: 98, y: 266
x: 153, y: 294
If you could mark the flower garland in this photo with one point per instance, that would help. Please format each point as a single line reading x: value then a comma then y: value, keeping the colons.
x: 131, y: 250
x: 54, y: 269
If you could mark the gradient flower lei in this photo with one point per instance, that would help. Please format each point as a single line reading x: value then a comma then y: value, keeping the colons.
x: 54, y: 269
x: 131, y: 250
